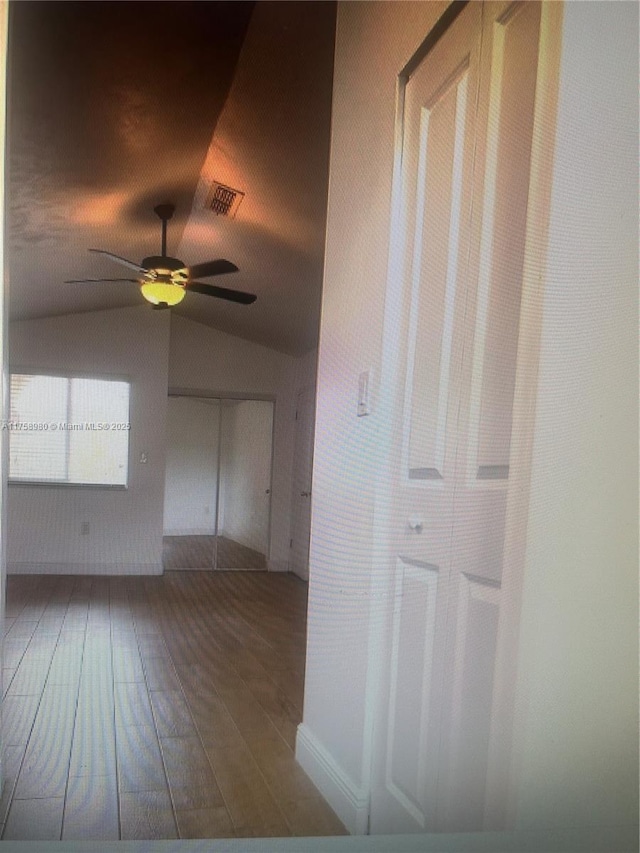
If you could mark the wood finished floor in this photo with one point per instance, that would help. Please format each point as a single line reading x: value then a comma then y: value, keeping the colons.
x: 156, y: 708
x: 199, y: 552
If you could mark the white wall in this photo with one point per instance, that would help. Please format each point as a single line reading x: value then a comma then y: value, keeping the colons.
x: 306, y: 368
x: 191, y: 476
x: 575, y: 756
x: 373, y: 42
x: 577, y: 745
x: 156, y: 351
x: 204, y: 359
x: 245, y: 472
x: 125, y: 526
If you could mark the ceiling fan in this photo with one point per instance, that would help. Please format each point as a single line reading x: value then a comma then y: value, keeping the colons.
x: 164, y: 281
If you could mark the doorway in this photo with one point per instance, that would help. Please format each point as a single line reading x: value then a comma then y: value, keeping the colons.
x: 302, y: 476
x: 217, y: 503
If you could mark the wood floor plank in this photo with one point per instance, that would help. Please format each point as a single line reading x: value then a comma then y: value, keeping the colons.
x: 171, y: 714
x: 34, y: 820
x: 186, y: 763
x: 91, y: 809
x: 284, y: 777
x: 12, y: 759
x: 18, y: 715
x: 132, y: 704
x: 29, y: 678
x: 93, y: 752
x: 312, y: 816
x: 205, y: 823
x: 160, y: 674
x: 251, y: 805
x: 160, y: 707
x: 152, y: 646
x: 140, y: 766
x: 7, y: 678
x: 147, y: 815
x: 193, y: 796
x: 66, y: 663
x: 204, y: 552
x: 45, y: 767
x: 22, y: 629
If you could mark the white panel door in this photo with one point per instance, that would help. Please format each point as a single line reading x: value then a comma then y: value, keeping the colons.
x: 490, y: 334
x: 246, y: 438
x: 437, y: 181
x: 467, y: 133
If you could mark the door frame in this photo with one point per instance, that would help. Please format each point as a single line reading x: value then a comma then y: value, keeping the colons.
x: 507, y: 718
x: 240, y: 396
x: 4, y: 340
x: 305, y: 389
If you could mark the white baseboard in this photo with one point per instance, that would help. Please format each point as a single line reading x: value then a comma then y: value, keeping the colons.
x: 348, y: 800
x: 19, y: 568
x: 277, y: 566
x: 193, y: 531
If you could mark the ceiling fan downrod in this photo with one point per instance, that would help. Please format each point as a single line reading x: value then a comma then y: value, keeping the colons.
x: 164, y: 212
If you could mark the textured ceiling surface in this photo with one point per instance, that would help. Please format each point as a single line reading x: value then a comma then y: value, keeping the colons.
x: 118, y: 106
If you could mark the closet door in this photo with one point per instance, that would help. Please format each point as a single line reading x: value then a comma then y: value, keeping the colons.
x: 439, y: 132
x: 191, y: 482
x: 244, y: 498
x: 490, y: 343
x: 468, y: 123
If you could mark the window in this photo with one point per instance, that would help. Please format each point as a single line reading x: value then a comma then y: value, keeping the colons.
x: 68, y: 430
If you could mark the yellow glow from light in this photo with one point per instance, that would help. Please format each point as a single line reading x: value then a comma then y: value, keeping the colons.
x: 156, y: 292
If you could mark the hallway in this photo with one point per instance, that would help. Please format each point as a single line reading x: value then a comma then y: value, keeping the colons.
x: 156, y: 708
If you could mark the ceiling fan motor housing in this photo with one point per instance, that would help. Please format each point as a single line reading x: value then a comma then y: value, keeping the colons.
x: 159, y: 262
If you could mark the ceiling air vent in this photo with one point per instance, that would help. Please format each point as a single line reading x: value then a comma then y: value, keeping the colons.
x: 223, y: 200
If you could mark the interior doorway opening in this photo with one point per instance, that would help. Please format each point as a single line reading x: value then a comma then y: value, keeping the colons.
x: 217, y: 505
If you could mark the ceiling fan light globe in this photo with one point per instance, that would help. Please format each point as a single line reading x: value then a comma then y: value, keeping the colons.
x: 157, y: 292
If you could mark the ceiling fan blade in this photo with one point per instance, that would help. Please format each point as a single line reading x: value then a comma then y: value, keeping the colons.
x: 222, y: 292
x: 89, y: 280
x: 120, y: 260
x: 219, y: 267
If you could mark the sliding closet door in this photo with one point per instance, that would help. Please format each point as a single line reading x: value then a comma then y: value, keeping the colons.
x: 191, y: 483
x: 246, y: 428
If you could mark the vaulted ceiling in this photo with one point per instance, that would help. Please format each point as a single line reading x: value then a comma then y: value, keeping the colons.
x: 118, y: 106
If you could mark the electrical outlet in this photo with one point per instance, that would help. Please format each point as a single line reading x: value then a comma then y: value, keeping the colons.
x: 84, y: 528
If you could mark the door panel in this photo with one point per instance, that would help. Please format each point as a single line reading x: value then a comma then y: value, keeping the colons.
x: 478, y: 611
x: 507, y: 117
x: 246, y: 433
x: 412, y: 655
x: 438, y: 149
x: 436, y: 249
x: 191, y: 475
x: 494, y: 287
